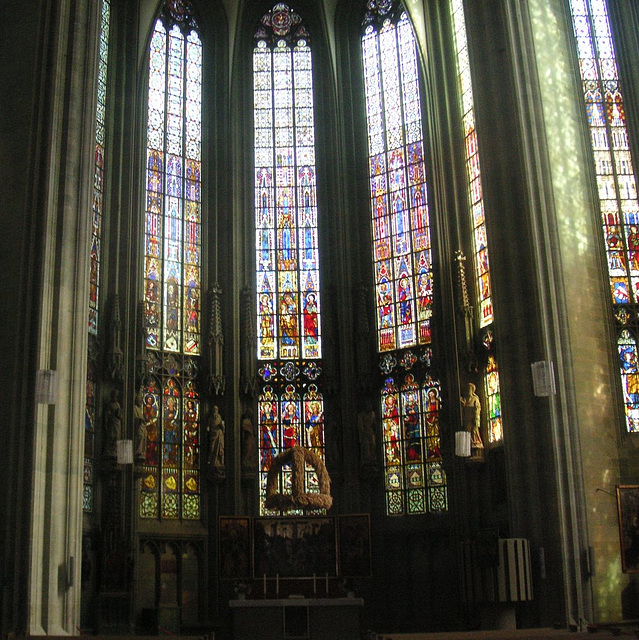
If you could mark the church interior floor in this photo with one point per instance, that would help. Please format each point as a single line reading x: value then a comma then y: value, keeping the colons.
x: 598, y: 633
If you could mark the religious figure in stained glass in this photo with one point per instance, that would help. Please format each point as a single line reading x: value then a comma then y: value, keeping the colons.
x: 290, y: 407
x: 481, y: 262
x: 96, y: 215
x: 616, y: 181
x: 171, y: 267
x: 400, y: 223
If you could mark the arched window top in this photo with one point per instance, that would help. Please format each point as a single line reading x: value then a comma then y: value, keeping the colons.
x: 179, y: 13
x: 281, y: 23
x: 168, y: 406
x: 616, y: 182
x: 397, y: 172
x: 380, y: 11
x: 289, y: 342
x: 287, y: 255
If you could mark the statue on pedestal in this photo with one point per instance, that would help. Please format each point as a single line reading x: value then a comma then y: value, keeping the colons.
x: 216, y: 429
x: 471, y: 418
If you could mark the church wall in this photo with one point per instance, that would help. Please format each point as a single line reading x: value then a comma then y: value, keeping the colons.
x: 46, y: 160
x: 594, y: 422
x: 553, y: 481
x: 20, y: 81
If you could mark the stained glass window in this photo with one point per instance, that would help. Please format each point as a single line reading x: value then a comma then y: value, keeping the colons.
x: 492, y: 391
x: 289, y: 342
x: 96, y: 234
x: 399, y: 203
x: 415, y: 478
x: 402, y: 255
x: 89, y: 437
x: 172, y: 266
x: 98, y: 172
x: 614, y: 168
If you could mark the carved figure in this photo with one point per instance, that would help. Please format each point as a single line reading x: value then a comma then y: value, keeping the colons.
x: 366, y: 433
x: 113, y: 421
x: 140, y: 427
x: 471, y: 416
x: 249, y: 443
x: 216, y: 429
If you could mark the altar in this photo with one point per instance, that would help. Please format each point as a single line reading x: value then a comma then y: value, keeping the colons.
x: 297, y: 618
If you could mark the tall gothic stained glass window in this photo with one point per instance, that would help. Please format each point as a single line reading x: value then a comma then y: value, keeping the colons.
x: 169, y: 401
x: 481, y: 264
x: 616, y: 182
x: 402, y: 255
x: 96, y: 236
x: 289, y: 344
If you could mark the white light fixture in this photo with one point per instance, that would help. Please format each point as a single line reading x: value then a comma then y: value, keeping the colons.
x: 124, y: 451
x: 462, y: 444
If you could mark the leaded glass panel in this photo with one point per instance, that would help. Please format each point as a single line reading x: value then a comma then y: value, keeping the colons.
x: 483, y: 284
x: 290, y: 407
x: 172, y: 267
x: 615, y: 173
x: 402, y: 258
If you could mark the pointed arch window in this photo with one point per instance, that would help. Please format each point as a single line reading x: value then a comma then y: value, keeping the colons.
x: 616, y: 182
x: 402, y: 256
x: 289, y: 343
x: 481, y: 262
x: 169, y: 401
x: 96, y: 238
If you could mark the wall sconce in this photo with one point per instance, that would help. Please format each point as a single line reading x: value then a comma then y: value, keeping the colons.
x: 462, y: 444
x: 124, y: 451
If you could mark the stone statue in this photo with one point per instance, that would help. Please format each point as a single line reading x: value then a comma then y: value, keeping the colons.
x: 113, y: 422
x: 139, y: 428
x: 249, y: 444
x: 471, y: 416
x: 216, y: 429
x: 366, y: 420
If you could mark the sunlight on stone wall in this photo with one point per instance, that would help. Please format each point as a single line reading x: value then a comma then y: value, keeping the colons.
x: 584, y: 283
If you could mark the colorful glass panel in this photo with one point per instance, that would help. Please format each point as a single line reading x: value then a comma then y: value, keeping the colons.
x: 94, y: 255
x: 415, y: 481
x: 89, y: 437
x: 172, y: 421
x: 287, y: 260
x: 172, y: 267
x: 286, y: 420
x: 399, y: 202
x: 629, y: 367
x: 402, y: 254
x: 493, y: 400
x: 290, y: 407
x: 473, y: 167
x: 614, y: 165
x: 98, y: 168
x: 478, y: 223
x: 172, y: 271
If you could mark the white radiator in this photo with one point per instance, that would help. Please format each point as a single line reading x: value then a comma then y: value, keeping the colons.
x: 506, y: 579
